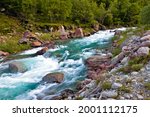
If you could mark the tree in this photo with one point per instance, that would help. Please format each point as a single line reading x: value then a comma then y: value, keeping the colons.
x: 145, y: 15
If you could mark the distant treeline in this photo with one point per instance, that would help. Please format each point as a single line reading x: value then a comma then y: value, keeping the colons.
x: 107, y: 12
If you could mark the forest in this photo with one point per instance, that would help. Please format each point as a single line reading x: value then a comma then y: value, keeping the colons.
x: 106, y: 12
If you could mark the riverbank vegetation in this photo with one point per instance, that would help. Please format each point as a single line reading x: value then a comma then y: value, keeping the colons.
x: 16, y: 16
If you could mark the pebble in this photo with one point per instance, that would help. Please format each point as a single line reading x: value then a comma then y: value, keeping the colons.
x: 127, y: 96
x: 134, y: 73
x: 140, y: 97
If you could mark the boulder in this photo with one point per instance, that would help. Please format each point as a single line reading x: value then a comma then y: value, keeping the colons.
x: 36, y: 44
x: 27, y: 36
x: 147, y: 33
x: 49, y: 44
x: 96, y: 61
x: 118, y: 58
x: 15, y: 67
x: 145, y: 43
x: 63, y: 33
x: 4, y: 53
x: 145, y: 38
x: 56, y: 77
x: 143, y: 51
x: 79, y: 33
x: 42, y: 51
x: 126, y: 49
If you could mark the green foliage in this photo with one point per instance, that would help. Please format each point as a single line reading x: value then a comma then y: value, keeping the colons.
x: 125, y: 89
x: 145, y: 15
x: 15, y: 47
x: 147, y: 86
x: 106, y: 85
x: 106, y: 12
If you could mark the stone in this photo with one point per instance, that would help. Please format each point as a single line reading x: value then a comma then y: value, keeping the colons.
x: 145, y: 44
x: 140, y: 97
x: 116, y: 85
x: 117, y: 59
x: 23, y: 41
x: 143, y: 51
x: 96, y: 60
x: 42, y: 51
x: 134, y: 73
x: 15, y: 67
x: 125, y: 60
x: 56, y: 77
x: 147, y: 33
x: 63, y: 33
x: 145, y: 38
x: 4, y: 53
x: 79, y: 33
x: 109, y: 94
x: 126, y: 95
x: 36, y: 44
x: 126, y: 49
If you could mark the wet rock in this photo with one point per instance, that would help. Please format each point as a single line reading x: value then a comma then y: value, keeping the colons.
x: 15, y: 67
x: 116, y: 85
x: 36, y: 44
x: 143, y: 51
x: 56, y: 77
x: 49, y: 44
x: 4, y: 53
x: 42, y: 51
x: 78, y: 33
x: 109, y: 94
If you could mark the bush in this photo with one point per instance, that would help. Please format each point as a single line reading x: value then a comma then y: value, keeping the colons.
x: 106, y: 85
x: 145, y: 17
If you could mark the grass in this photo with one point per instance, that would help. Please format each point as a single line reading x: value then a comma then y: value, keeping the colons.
x: 12, y: 46
x: 125, y: 89
x: 9, y: 25
x: 147, y: 85
x: 106, y: 85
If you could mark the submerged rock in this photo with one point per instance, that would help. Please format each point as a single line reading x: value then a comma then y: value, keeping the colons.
x: 56, y: 77
x: 15, y: 67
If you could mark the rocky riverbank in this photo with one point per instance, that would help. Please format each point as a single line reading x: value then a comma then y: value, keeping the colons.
x: 106, y: 79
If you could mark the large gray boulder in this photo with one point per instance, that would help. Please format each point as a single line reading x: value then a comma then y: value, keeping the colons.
x: 56, y: 77
x: 143, y: 51
x: 15, y: 67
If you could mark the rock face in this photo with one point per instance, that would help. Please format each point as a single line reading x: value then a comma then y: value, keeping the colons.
x: 42, y: 51
x: 143, y: 51
x: 36, y: 44
x: 15, y: 67
x: 56, y: 77
x: 79, y: 33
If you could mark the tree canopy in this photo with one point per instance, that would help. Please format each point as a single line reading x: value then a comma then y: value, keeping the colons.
x: 107, y: 12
